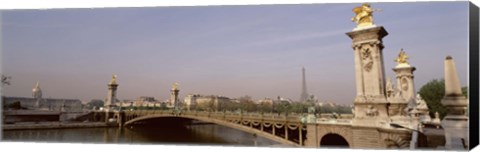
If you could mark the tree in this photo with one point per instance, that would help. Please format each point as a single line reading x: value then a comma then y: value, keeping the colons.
x: 265, y: 106
x: 282, y: 106
x: 433, y: 92
x: 299, y: 107
x: 95, y: 103
x: 247, y: 104
x: 15, y: 106
x: 465, y: 91
x: 229, y: 106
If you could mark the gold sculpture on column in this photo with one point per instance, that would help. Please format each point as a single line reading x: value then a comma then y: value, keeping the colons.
x: 402, y: 58
x: 175, y: 86
x: 363, y: 15
x: 114, y: 79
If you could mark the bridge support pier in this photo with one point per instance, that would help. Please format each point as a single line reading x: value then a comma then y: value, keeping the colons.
x: 106, y: 116
x: 120, y: 118
x: 312, y: 138
x: 300, y: 136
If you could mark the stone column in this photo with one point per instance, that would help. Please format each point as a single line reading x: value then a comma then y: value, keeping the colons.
x: 312, y: 139
x: 403, y: 96
x: 174, y: 97
x: 405, y: 80
x: 311, y: 126
x: 121, y: 118
x: 112, y: 92
x: 455, y: 123
x: 370, y: 101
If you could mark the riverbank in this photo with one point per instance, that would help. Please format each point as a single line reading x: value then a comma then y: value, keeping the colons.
x: 54, y: 125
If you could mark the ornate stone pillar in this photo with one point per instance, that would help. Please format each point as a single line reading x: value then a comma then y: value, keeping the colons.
x: 370, y: 105
x: 174, y: 96
x: 110, y: 103
x: 455, y: 123
x: 404, y: 95
x: 370, y: 102
x: 404, y: 72
x: 112, y: 93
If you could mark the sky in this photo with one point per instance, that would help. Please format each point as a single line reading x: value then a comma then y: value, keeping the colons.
x: 255, y: 50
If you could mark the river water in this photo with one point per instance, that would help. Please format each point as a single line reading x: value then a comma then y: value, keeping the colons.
x: 198, y: 134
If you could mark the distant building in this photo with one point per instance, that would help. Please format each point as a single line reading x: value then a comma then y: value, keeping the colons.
x: 206, y: 102
x: 331, y: 104
x: 39, y: 103
x: 142, y: 101
x: 266, y: 101
x: 281, y: 99
x: 147, y: 99
x: 190, y: 101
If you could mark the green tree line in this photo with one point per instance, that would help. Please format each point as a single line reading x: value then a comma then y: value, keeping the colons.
x: 433, y: 93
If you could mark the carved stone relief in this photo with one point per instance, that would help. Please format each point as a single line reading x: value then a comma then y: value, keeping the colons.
x: 371, y: 111
x: 404, y: 84
x: 390, y: 88
x: 395, y: 141
x: 367, y: 59
x: 365, y: 99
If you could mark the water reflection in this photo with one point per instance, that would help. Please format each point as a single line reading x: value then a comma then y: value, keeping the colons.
x: 202, y: 134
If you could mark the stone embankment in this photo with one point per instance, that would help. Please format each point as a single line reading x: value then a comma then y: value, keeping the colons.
x: 54, y: 125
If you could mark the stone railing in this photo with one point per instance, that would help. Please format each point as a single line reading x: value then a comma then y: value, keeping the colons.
x: 252, y: 116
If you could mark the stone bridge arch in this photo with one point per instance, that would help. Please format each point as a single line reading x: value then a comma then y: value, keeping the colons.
x: 218, y: 122
x: 327, y: 131
x: 334, y: 140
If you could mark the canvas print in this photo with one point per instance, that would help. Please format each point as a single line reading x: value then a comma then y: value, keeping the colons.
x: 352, y: 75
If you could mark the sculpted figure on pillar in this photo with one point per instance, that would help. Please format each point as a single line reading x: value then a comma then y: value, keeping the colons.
x: 421, y: 104
x: 363, y: 15
x: 390, y: 88
x: 402, y: 58
x: 114, y: 79
x: 371, y: 111
x: 175, y: 86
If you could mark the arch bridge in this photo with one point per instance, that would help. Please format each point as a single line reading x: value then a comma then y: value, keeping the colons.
x: 292, y: 130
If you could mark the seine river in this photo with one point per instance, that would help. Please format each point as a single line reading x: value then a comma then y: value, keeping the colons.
x: 198, y: 134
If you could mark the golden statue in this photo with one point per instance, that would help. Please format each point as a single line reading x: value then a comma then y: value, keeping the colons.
x: 402, y: 57
x: 363, y: 15
x: 114, y: 79
x: 175, y: 86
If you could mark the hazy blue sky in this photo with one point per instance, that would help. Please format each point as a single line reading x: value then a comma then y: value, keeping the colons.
x: 255, y: 50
